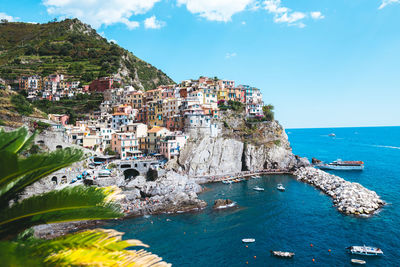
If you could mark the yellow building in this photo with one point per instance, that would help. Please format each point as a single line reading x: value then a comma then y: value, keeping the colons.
x: 222, y: 94
x: 154, y: 113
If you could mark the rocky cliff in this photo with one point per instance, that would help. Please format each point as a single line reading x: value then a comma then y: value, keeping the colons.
x: 242, y: 146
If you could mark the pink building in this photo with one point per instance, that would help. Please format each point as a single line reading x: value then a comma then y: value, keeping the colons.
x: 172, y: 144
x: 62, y: 119
x: 126, y: 145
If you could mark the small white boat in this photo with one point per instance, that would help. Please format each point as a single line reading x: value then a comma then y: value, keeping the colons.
x: 356, y: 261
x: 248, y: 240
x: 364, y: 250
x: 280, y: 187
x: 332, y: 135
x: 258, y: 188
x: 282, y: 254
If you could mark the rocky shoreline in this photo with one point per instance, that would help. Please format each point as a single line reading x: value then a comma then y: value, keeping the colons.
x: 349, y: 198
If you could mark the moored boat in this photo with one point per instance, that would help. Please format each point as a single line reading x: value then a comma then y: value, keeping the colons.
x: 342, y: 165
x: 364, y: 250
x: 280, y: 187
x: 258, y: 188
x: 356, y: 261
x: 248, y: 240
x: 282, y: 254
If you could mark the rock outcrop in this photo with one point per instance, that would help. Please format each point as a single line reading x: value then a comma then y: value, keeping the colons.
x: 223, y: 204
x: 349, y: 198
x: 211, y: 156
x: 168, y: 194
x: 242, y: 146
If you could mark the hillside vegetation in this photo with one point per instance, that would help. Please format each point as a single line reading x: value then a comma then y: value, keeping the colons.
x: 74, y: 49
x: 13, y: 107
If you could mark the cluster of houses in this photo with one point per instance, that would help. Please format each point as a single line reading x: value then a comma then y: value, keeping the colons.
x: 136, y: 123
x: 53, y: 87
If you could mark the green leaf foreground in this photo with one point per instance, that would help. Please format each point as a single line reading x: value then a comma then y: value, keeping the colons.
x: 22, y: 172
x: 96, y: 247
x: 69, y: 204
x: 90, y: 248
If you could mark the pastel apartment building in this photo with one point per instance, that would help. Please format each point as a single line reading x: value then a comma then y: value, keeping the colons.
x: 172, y: 144
x: 126, y: 145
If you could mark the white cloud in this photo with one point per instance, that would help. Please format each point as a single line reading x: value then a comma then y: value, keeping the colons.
x: 290, y: 18
x: 317, y: 15
x: 101, y: 12
x: 230, y: 55
x: 153, y: 23
x: 216, y: 10
x: 7, y: 17
x: 388, y: 2
x: 284, y: 14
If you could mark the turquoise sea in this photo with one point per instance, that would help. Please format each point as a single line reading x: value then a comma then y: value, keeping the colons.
x: 291, y: 220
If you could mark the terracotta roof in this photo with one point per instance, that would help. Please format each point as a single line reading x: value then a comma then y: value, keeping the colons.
x: 155, y: 129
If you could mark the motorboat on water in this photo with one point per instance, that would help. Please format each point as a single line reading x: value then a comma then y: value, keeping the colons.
x: 257, y: 188
x: 280, y: 187
x: 364, y: 250
x: 282, y: 254
x: 356, y: 261
x: 248, y: 240
x: 332, y: 135
x: 340, y: 165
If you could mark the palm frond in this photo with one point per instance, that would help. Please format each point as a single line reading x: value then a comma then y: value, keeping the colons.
x: 68, y: 204
x: 20, y: 173
x: 15, y: 141
x: 99, y: 257
x: 18, y: 254
x: 98, y: 247
x: 107, y: 239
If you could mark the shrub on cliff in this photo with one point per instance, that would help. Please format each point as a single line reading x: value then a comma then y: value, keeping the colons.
x: 96, y: 247
x: 268, y: 112
x: 22, y: 106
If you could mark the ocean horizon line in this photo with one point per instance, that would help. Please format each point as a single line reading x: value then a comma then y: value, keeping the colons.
x: 340, y: 127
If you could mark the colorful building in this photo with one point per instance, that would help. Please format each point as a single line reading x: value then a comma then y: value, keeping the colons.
x: 126, y: 145
x: 172, y: 144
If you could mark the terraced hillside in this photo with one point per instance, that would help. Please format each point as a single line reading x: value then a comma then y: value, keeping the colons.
x: 74, y: 49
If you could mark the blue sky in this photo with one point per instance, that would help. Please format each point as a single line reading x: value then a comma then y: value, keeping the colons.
x: 321, y: 63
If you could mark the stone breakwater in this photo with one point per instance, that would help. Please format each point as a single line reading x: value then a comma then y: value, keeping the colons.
x: 348, y: 197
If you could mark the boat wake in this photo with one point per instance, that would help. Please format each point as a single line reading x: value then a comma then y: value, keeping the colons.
x: 392, y: 147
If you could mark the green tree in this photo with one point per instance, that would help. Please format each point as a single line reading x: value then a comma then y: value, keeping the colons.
x: 109, y: 151
x: 88, y: 248
x: 268, y: 112
x: 30, y: 50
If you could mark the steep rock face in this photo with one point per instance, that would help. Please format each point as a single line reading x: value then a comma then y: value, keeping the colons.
x: 241, y: 147
x: 263, y: 157
x: 269, y: 148
x: 210, y: 156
